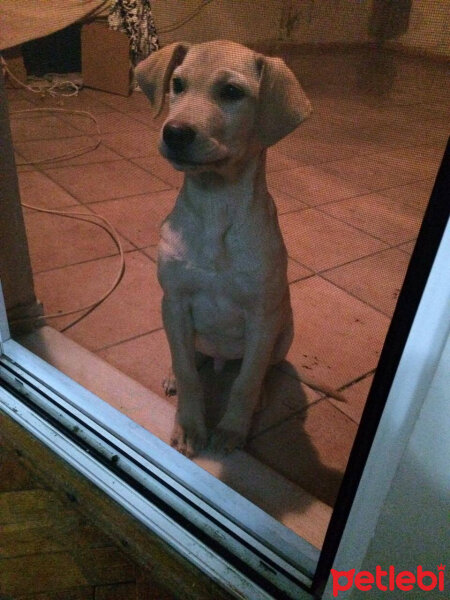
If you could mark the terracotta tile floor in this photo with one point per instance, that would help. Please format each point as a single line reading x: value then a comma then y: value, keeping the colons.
x: 351, y: 186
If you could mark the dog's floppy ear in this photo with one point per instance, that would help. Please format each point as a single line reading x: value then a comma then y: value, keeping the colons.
x: 283, y: 104
x: 153, y: 74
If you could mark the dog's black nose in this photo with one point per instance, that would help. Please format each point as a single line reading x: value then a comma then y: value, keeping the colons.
x: 177, y: 135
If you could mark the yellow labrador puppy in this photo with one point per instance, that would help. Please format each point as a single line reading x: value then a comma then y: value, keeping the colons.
x: 222, y: 260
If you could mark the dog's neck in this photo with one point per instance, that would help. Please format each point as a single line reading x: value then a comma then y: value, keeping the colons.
x: 219, y: 202
x: 233, y: 192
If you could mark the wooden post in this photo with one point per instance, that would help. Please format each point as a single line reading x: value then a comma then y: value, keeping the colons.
x: 15, y: 267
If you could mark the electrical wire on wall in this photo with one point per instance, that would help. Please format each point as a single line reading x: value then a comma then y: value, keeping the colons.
x: 94, y: 219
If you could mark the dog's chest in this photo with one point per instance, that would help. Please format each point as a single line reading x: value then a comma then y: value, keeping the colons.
x: 213, y: 260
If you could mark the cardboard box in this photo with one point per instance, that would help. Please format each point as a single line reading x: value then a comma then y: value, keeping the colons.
x: 105, y: 59
x: 14, y: 61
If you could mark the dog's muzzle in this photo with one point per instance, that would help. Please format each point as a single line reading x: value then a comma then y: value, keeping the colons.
x: 178, y: 137
x: 187, y: 150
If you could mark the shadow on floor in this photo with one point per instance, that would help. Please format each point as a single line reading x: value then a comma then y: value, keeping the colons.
x: 376, y: 73
x: 285, y: 409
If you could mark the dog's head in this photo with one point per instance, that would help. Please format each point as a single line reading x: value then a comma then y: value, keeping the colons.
x: 226, y: 102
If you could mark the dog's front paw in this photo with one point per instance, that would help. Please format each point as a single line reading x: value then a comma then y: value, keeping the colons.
x: 169, y: 384
x: 224, y: 441
x: 189, y: 439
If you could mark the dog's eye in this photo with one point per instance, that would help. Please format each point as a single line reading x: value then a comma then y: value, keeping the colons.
x: 231, y: 92
x: 178, y: 85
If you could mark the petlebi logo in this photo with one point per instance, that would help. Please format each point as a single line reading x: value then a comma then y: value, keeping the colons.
x: 389, y: 579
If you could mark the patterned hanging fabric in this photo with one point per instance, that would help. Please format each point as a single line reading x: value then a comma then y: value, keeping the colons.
x: 134, y: 17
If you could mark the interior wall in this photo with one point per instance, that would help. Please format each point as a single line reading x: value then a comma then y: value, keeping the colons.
x: 429, y: 27
x: 413, y: 527
x: 242, y: 21
x: 248, y: 21
x: 15, y: 267
x: 325, y: 21
x: 311, y: 21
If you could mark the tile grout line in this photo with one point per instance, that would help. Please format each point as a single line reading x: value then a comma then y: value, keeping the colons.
x: 314, y: 403
x: 351, y: 197
x: 125, y: 340
x: 352, y: 295
x: 85, y: 203
x: 97, y: 259
x: 322, y: 275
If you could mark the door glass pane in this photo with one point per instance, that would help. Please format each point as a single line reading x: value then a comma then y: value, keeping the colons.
x: 350, y: 185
